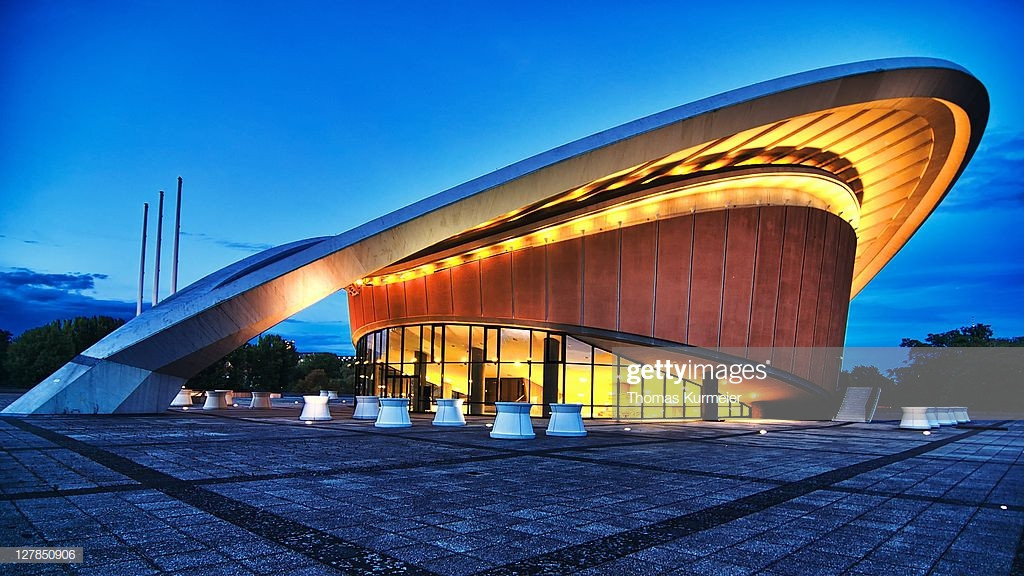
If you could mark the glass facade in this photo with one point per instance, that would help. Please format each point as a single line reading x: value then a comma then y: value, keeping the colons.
x: 488, y: 364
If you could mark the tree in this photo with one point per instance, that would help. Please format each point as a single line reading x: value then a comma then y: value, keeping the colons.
x: 331, y: 364
x: 5, y: 342
x: 313, y: 382
x: 39, y: 352
x: 967, y: 366
x: 341, y: 374
x: 223, y: 374
x: 271, y: 363
x: 268, y: 365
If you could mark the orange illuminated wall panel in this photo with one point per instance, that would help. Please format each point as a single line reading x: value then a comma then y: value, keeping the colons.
x: 565, y: 281
x: 758, y: 277
x: 496, y: 286
x: 672, y: 282
x: 601, y: 280
x: 636, y: 284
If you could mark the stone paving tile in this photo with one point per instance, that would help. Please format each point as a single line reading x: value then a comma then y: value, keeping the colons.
x: 192, y: 495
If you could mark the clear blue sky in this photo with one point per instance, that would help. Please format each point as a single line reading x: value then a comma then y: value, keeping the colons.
x: 299, y: 119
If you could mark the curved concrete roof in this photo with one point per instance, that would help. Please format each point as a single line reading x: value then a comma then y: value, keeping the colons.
x: 896, y: 132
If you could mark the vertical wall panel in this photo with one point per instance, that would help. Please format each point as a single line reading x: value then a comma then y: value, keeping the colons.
x: 789, y: 287
x: 355, y: 310
x: 439, y: 293
x: 739, y: 277
x: 672, y: 297
x: 367, y: 297
x: 528, y: 278
x: 706, y: 287
x: 809, y: 281
x: 380, y: 303
x: 636, y: 284
x: 601, y: 264
x: 466, y: 289
x: 396, y: 299
x: 767, y: 265
x: 841, y: 290
x: 416, y: 297
x: 830, y: 252
x: 565, y: 283
x: 496, y: 285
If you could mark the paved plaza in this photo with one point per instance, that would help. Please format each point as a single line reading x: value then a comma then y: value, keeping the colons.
x: 258, y: 492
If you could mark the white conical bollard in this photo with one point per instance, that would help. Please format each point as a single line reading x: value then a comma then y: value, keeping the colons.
x: 566, y: 420
x: 915, y: 418
x: 260, y: 400
x: 367, y: 407
x: 394, y: 413
x: 184, y: 398
x: 449, y: 412
x: 315, y: 408
x: 512, y: 421
x: 945, y: 415
x: 961, y: 415
x: 215, y: 400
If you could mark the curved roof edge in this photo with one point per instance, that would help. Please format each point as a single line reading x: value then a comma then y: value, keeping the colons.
x: 635, y: 128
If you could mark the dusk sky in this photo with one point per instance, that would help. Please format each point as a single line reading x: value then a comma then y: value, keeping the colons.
x: 300, y: 119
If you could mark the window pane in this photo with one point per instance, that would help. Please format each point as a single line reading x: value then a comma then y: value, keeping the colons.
x: 456, y: 344
x: 630, y: 393
x: 395, y: 348
x: 577, y: 352
x: 515, y: 345
x: 437, y: 350
x: 604, y: 392
x: 577, y: 385
x: 654, y: 397
x: 603, y: 357
x: 491, y: 345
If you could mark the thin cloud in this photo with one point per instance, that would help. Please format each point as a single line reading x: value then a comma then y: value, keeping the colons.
x: 18, y: 278
x: 29, y: 299
x: 991, y: 181
x: 251, y: 247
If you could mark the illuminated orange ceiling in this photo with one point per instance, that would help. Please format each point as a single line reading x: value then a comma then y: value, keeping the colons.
x: 882, y: 165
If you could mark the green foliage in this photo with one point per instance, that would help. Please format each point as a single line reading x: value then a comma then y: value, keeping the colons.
x: 315, y: 381
x: 39, y: 352
x: 225, y: 374
x: 340, y: 374
x: 975, y: 336
x: 269, y: 365
x: 331, y: 364
x: 5, y: 342
x: 864, y: 376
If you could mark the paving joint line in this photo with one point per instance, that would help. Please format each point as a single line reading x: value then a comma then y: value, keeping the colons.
x: 613, y: 547
x: 315, y: 544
